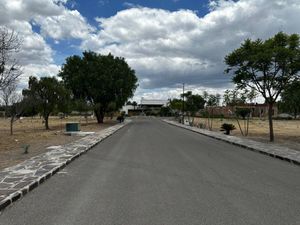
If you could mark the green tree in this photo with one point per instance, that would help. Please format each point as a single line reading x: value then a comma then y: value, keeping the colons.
x: 47, y: 94
x: 213, y: 100
x: 234, y: 97
x: 193, y: 103
x: 176, y: 104
x: 100, y: 79
x: 290, y: 98
x: 266, y: 66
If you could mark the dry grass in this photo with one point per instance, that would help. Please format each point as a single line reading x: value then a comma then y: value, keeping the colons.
x: 286, y: 131
x: 31, y: 131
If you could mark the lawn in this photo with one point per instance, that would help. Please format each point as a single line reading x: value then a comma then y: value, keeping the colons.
x: 287, y: 132
x: 31, y: 131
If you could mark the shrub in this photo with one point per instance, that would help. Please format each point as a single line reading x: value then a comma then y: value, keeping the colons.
x: 227, y: 127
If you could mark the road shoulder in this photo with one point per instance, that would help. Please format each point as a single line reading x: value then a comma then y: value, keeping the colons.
x: 273, y: 150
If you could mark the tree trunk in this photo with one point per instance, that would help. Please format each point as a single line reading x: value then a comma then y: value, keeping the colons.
x: 11, y: 125
x: 47, y: 122
x: 99, y: 116
x: 270, y: 117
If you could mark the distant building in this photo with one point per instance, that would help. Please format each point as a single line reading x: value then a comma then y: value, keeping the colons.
x: 257, y: 110
x: 127, y: 108
x: 152, y: 105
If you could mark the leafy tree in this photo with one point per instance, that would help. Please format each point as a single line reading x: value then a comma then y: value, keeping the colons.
x: 245, y: 114
x: 193, y: 103
x: 234, y: 97
x: 290, y: 98
x: 266, y: 66
x: 176, y: 104
x: 10, y: 70
x: 213, y: 100
x: 47, y: 94
x: 83, y: 107
x: 165, y: 111
x: 100, y: 80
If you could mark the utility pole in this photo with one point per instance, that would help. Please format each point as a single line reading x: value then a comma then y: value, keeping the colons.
x: 183, y: 103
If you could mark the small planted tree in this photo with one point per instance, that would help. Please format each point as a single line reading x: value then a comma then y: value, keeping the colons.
x: 15, y: 109
x: 266, y: 67
x: 6, y: 94
x: 243, y: 113
x: 47, y: 94
x: 193, y: 104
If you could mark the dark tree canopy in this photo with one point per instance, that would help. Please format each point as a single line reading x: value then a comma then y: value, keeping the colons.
x: 193, y: 103
x: 47, y: 95
x: 102, y: 80
x: 266, y: 66
x: 290, y: 98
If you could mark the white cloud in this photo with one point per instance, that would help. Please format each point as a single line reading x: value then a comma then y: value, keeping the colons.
x: 55, y: 21
x: 69, y: 24
x: 167, y: 48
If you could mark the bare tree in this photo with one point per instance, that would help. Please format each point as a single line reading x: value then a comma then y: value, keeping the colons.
x: 10, y: 44
x: 16, y: 109
x: 6, y: 95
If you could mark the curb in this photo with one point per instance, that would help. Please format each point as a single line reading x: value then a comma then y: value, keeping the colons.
x: 271, y: 153
x: 17, y: 194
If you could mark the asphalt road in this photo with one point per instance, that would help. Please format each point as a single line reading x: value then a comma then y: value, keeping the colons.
x: 153, y: 173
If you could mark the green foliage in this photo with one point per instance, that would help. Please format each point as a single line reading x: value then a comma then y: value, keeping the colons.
x: 243, y: 112
x: 100, y: 79
x: 46, y: 95
x: 176, y: 104
x: 213, y: 100
x: 290, y: 98
x: 227, y: 127
x: 166, y: 111
x: 193, y: 103
x: 266, y: 67
x: 235, y: 97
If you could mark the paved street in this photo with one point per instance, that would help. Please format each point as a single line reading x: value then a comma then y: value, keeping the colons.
x: 152, y: 173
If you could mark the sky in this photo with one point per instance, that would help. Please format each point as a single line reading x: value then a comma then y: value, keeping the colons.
x: 167, y: 42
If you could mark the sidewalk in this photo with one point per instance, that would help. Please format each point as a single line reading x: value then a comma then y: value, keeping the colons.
x: 18, y: 180
x: 270, y: 149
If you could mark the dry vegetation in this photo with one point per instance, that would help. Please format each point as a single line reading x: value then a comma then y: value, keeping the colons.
x: 31, y: 131
x: 287, y: 132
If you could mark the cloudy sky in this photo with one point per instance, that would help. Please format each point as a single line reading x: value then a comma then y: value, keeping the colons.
x: 167, y: 42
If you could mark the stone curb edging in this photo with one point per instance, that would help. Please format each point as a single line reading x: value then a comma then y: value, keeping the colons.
x: 269, y: 149
x: 18, y: 180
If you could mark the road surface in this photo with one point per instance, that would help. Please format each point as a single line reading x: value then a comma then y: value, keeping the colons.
x: 152, y: 173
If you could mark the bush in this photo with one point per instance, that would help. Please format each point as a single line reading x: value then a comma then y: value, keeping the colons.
x: 120, y: 118
x: 227, y: 127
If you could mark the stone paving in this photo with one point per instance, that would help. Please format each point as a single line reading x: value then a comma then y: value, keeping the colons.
x: 270, y: 149
x: 18, y: 180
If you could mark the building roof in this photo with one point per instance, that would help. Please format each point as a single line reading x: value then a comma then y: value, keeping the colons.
x: 153, y: 102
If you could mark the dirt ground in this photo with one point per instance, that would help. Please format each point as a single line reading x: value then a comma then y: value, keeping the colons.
x: 31, y: 131
x: 287, y: 132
